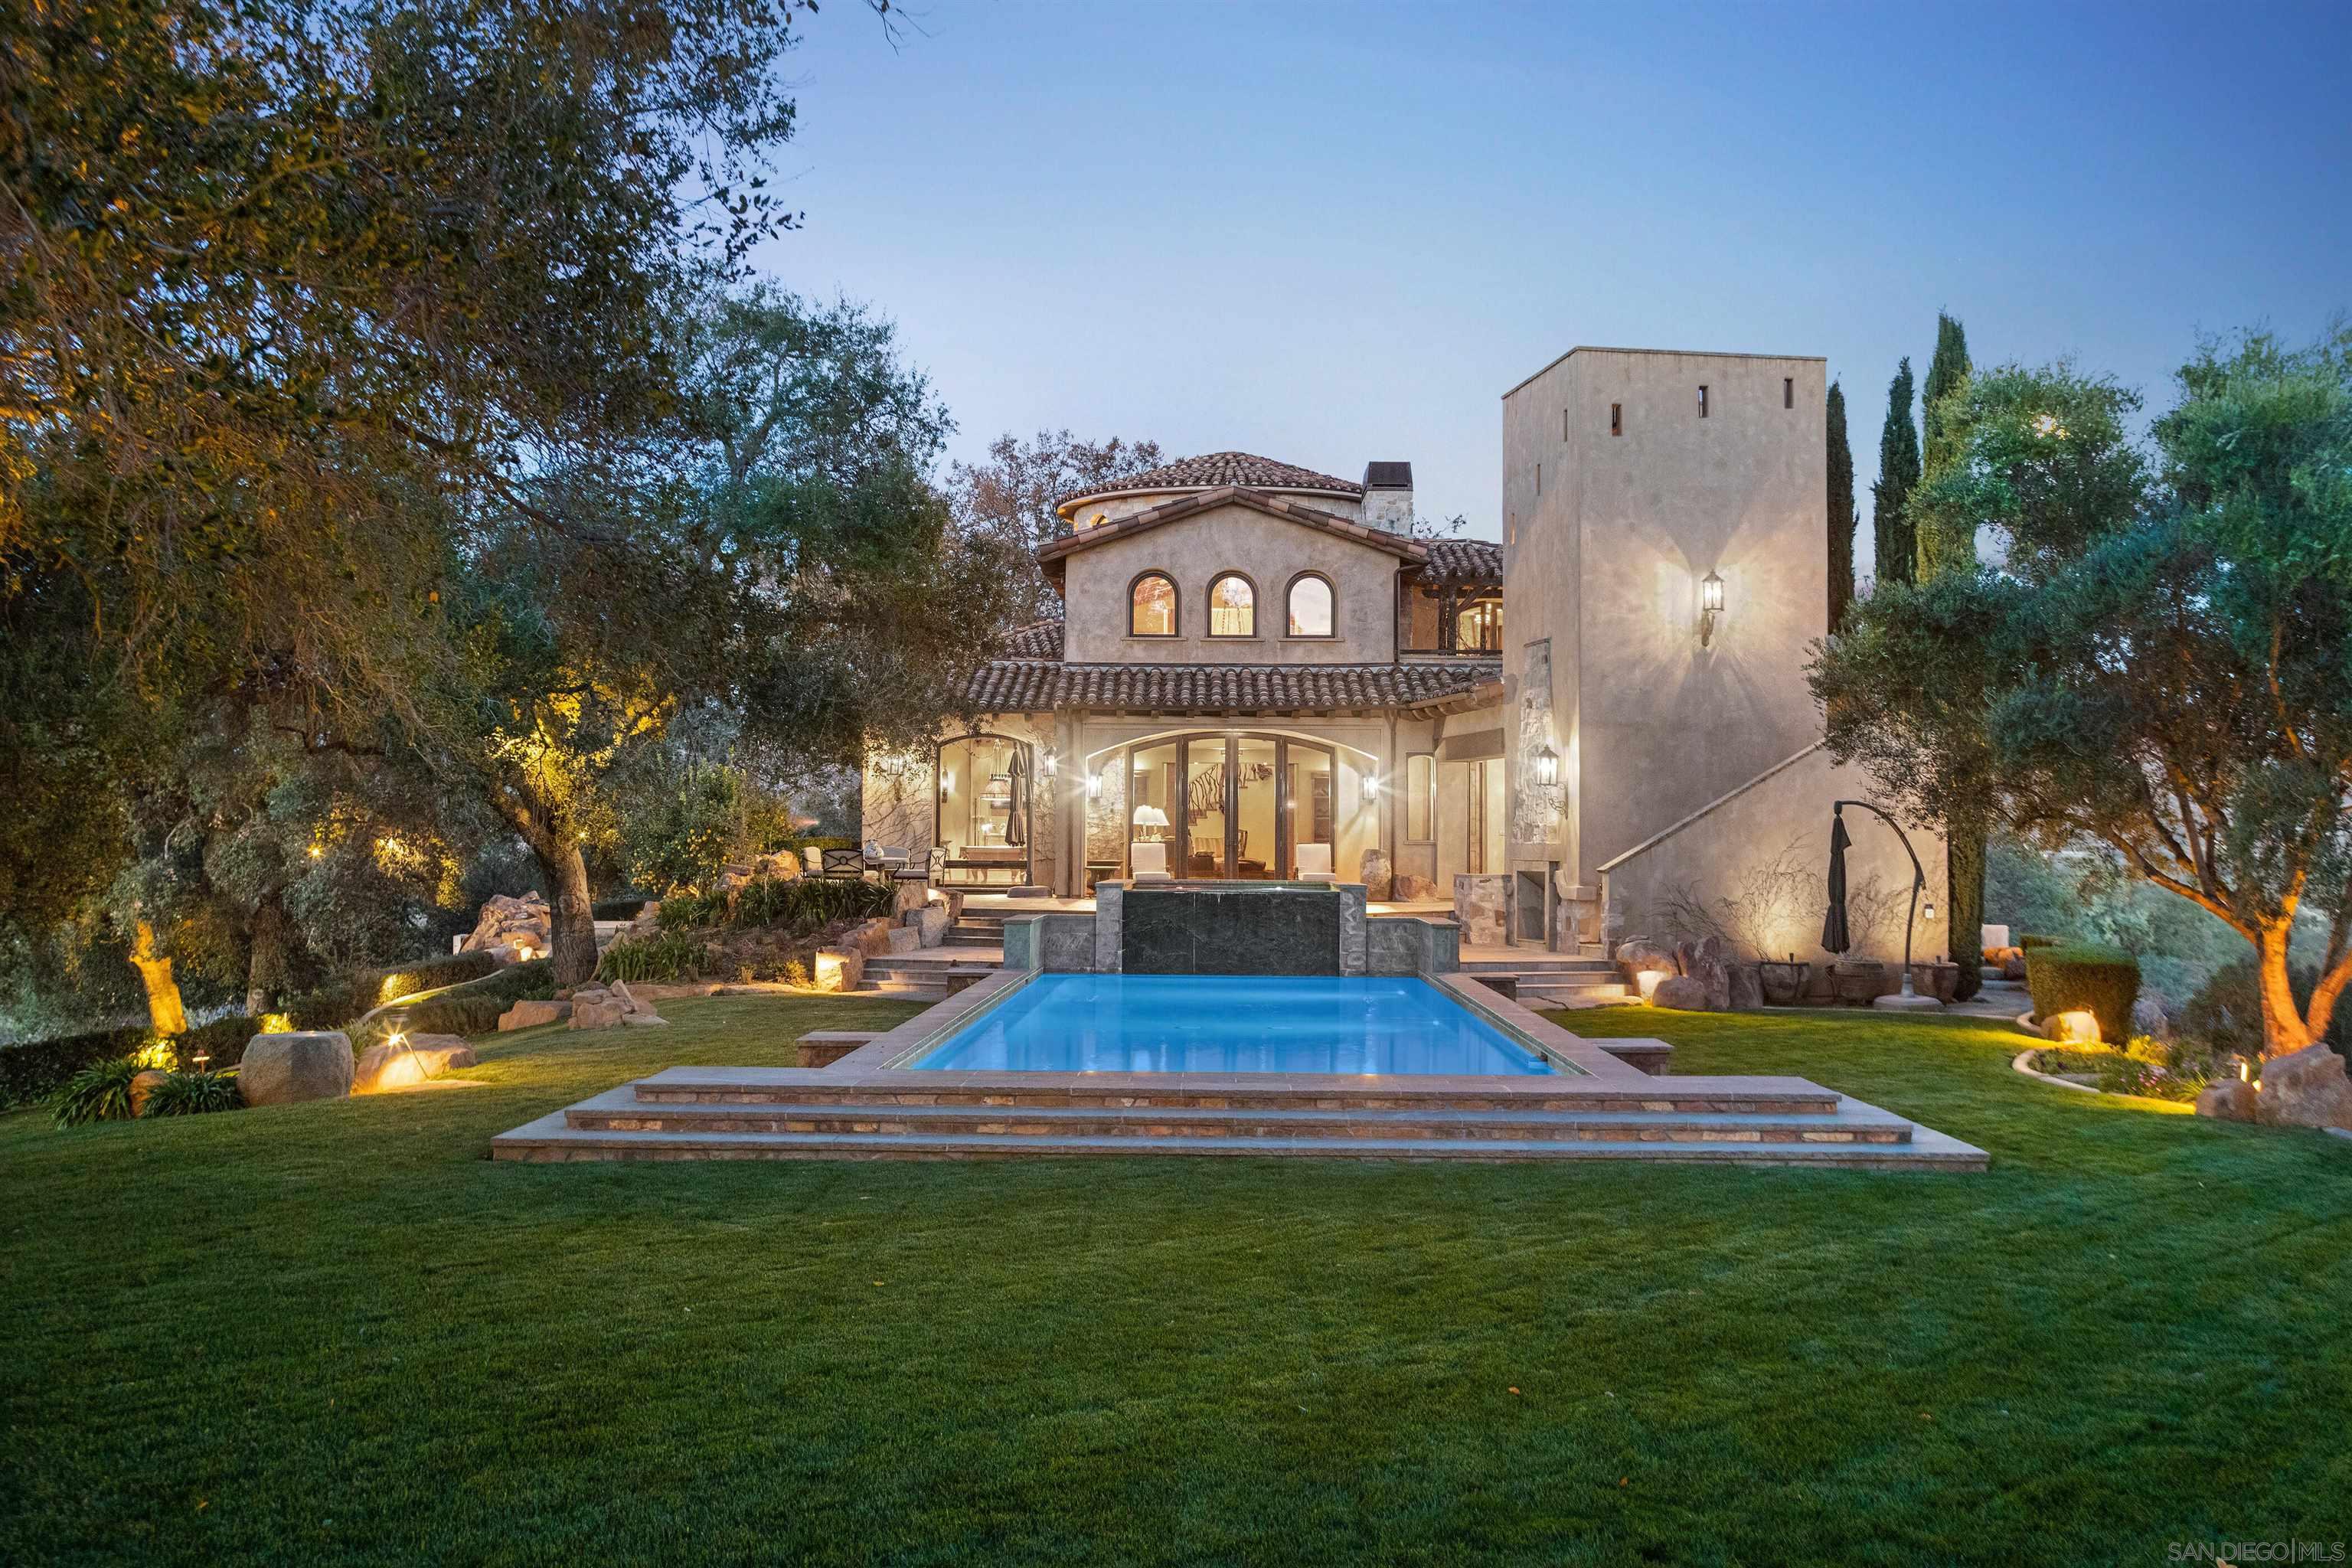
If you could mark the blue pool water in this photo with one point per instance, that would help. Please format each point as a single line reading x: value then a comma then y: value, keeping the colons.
x: 1222, y: 1023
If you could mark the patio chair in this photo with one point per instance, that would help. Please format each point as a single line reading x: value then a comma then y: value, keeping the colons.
x: 846, y: 864
x: 1315, y: 863
x: 812, y: 862
x: 1152, y: 864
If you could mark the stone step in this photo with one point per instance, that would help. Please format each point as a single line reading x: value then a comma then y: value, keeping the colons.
x: 549, y: 1139
x: 619, y: 1110
x: 756, y: 1086
x: 929, y: 961
x: 1570, y: 994
x: 1537, y: 964
x: 935, y: 990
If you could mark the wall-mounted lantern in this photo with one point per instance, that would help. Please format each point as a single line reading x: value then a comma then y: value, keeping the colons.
x: 1710, y: 606
x: 1094, y: 784
x: 1371, y: 788
x: 1547, y: 762
x: 947, y: 783
x: 1052, y: 760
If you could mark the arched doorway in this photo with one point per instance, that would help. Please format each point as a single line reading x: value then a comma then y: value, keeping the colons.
x: 984, y: 819
x: 1232, y: 804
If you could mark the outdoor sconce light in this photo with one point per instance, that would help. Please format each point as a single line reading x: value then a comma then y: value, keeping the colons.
x: 1372, y: 789
x: 947, y: 783
x: 1928, y: 914
x: 1052, y: 760
x: 1094, y: 784
x: 1547, y: 762
x: 1710, y: 606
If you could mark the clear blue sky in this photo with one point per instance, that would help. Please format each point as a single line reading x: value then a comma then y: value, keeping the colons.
x: 1339, y: 232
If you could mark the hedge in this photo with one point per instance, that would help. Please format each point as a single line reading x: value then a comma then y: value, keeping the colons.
x: 38, y: 1068
x: 346, y: 1000
x: 2026, y: 941
x: 2102, y: 981
x: 626, y: 908
x: 471, y: 1009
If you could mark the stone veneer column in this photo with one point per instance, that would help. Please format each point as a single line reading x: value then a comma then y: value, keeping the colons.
x: 1110, y: 907
x: 1354, y: 934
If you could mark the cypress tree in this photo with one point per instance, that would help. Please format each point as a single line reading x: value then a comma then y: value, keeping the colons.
x: 1943, y: 548
x: 1947, y: 543
x: 1841, y: 511
x: 1898, y: 475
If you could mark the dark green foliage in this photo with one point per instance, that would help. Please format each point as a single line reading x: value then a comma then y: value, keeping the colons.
x: 1843, y: 521
x: 2101, y: 981
x: 802, y: 907
x: 617, y: 908
x: 192, y: 1094
x: 670, y: 955
x: 1897, y: 550
x: 470, y: 1008
x: 2030, y: 941
x: 2226, y: 1014
x: 99, y: 1092
x: 1964, y: 883
x: 712, y: 814
x: 345, y: 1000
x: 36, y: 1069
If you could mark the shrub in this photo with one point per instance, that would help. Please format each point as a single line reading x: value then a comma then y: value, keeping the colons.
x: 626, y: 908
x: 193, y: 1094
x: 672, y: 955
x: 2030, y: 941
x: 2101, y: 981
x: 37, y: 1069
x: 99, y: 1092
x: 799, y: 907
x: 344, y: 1000
x: 2226, y: 1014
x: 471, y: 1009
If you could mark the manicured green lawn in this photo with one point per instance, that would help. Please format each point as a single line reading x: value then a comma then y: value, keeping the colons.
x: 337, y: 1333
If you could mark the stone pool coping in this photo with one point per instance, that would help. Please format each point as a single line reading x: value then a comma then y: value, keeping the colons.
x: 1594, y: 1072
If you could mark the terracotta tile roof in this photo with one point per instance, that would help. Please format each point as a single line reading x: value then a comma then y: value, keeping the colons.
x: 1037, y: 686
x: 1229, y: 495
x: 1463, y: 561
x: 1214, y: 469
x: 1039, y: 640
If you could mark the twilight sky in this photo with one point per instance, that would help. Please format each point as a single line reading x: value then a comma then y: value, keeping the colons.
x: 1339, y: 232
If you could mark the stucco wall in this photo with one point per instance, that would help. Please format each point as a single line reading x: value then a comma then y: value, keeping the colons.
x: 1758, y: 864
x: 1607, y: 563
x: 1110, y: 509
x: 1194, y: 551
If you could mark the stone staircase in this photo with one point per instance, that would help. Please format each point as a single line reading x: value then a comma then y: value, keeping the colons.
x: 751, y: 1113
x: 927, y: 975
x: 1549, y: 980
x: 982, y: 928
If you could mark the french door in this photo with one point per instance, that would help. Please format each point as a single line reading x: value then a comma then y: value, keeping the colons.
x: 1231, y: 807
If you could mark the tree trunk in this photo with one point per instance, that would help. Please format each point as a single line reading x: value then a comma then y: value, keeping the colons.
x: 265, y: 972
x: 1964, y: 879
x: 163, y: 1009
x: 572, y: 921
x: 2282, y: 1026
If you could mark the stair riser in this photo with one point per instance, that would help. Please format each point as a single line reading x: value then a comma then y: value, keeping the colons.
x: 1854, y: 1158
x: 853, y: 1123
x: 814, y: 1094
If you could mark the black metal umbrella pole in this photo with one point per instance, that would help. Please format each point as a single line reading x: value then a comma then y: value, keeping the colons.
x: 1835, y: 934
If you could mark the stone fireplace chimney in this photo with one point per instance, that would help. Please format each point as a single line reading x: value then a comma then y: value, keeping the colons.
x: 1388, y: 497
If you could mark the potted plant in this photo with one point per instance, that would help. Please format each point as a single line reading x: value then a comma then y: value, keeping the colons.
x: 1859, y: 981
x: 1784, y: 980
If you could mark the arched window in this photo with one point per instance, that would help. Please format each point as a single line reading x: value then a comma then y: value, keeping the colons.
x: 1152, y: 607
x: 1310, y: 605
x: 1232, y: 607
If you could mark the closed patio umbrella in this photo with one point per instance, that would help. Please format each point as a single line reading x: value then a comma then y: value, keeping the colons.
x: 1016, y: 824
x: 1835, y: 937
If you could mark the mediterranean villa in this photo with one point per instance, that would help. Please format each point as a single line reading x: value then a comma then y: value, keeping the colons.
x: 1263, y: 672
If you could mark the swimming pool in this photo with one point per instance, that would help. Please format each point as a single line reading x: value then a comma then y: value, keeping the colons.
x: 1223, y: 1023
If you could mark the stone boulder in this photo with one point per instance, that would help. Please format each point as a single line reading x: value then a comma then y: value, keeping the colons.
x: 416, y: 1058
x: 530, y: 1015
x: 287, y: 1068
x: 1705, y: 964
x: 2228, y: 1100
x: 1684, y: 993
x: 508, y: 927
x: 839, y: 968
x: 144, y: 1086
x: 931, y: 922
x: 783, y: 866
x: 1373, y: 872
x: 2079, y: 1027
x: 1747, y: 988
x: 2307, y: 1089
x: 906, y: 939
x: 871, y: 938
x: 1405, y: 886
x: 2152, y: 1017
x: 1637, y: 955
x: 609, y: 1008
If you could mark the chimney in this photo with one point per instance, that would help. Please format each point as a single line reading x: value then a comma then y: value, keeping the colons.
x: 1388, y: 497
